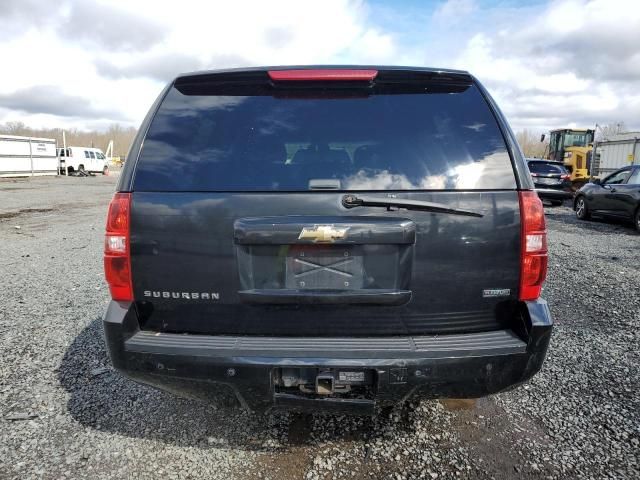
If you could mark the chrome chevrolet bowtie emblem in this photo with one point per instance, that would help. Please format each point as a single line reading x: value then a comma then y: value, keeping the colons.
x: 323, y: 233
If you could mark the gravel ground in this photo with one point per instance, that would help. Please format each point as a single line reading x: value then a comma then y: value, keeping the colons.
x: 64, y: 413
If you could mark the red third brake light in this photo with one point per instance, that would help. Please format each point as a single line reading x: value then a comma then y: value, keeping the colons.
x: 323, y: 74
x: 117, y: 256
x: 533, y: 255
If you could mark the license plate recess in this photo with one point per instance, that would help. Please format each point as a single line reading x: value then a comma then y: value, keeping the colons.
x: 324, y: 267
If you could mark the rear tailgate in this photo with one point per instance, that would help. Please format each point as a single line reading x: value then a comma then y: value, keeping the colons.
x: 238, y: 224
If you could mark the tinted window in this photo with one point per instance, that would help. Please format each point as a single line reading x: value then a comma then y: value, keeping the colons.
x: 617, y: 177
x: 546, y: 168
x: 92, y: 155
x: 634, y: 179
x: 375, y: 142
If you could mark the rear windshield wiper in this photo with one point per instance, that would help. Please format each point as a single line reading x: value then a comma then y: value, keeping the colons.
x: 351, y: 201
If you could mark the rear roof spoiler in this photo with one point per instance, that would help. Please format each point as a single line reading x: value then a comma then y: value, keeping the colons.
x: 386, y: 75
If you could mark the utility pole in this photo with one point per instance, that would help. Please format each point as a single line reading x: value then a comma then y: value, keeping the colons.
x: 31, y: 155
x: 109, y: 152
x: 64, y: 144
x: 594, y: 165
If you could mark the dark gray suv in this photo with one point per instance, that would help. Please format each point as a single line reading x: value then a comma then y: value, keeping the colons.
x: 326, y: 237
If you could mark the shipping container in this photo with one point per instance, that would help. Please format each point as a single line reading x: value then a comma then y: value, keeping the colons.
x: 27, y: 156
x: 616, y: 152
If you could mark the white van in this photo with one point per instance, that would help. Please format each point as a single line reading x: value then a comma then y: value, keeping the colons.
x: 85, y: 159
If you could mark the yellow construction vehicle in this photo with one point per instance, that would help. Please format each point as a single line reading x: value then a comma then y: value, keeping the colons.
x: 574, y: 148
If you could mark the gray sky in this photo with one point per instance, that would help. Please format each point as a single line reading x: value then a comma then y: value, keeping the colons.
x: 88, y: 64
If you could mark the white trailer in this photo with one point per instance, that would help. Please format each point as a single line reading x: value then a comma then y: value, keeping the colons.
x: 616, y: 152
x: 27, y: 156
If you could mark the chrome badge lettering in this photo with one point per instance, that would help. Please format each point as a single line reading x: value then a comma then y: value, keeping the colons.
x: 182, y: 295
x: 323, y: 233
x: 496, y: 292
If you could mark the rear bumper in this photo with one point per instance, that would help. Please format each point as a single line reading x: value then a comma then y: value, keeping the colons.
x: 220, y: 368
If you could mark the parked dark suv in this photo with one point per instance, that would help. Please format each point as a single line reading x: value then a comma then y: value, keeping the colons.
x: 328, y: 238
x: 551, y: 180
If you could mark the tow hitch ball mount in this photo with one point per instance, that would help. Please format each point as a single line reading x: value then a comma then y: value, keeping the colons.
x: 322, y: 381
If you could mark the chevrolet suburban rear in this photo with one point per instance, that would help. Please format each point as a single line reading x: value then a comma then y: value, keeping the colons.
x: 335, y: 238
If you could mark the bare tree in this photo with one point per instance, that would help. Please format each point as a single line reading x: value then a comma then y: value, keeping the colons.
x: 530, y: 143
x: 605, y: 132
x: 14, y: 128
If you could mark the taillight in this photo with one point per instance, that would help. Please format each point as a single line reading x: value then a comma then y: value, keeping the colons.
x: 533, y: 256
x: 566, y: 177
x: 117, y: 256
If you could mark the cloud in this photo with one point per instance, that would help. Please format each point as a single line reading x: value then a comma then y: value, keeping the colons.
x: 278, y: 37
x: 18, y: 15
x: 599, y: 42
x: 13, y: 9
x: 109, y: 28
x: 94, y: 24
x: 453, y: 10
x: 48, y: 99
x: 162, y: 67
x: 575, y: 62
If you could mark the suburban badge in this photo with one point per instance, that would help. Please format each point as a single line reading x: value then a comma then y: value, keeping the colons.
x: 182, y: 295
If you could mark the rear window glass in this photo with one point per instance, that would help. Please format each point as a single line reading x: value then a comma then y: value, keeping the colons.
x: 543, y: 167
x: 423, y: 141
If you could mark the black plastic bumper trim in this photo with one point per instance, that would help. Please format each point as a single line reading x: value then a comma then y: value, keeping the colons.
x: 501, y: 342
